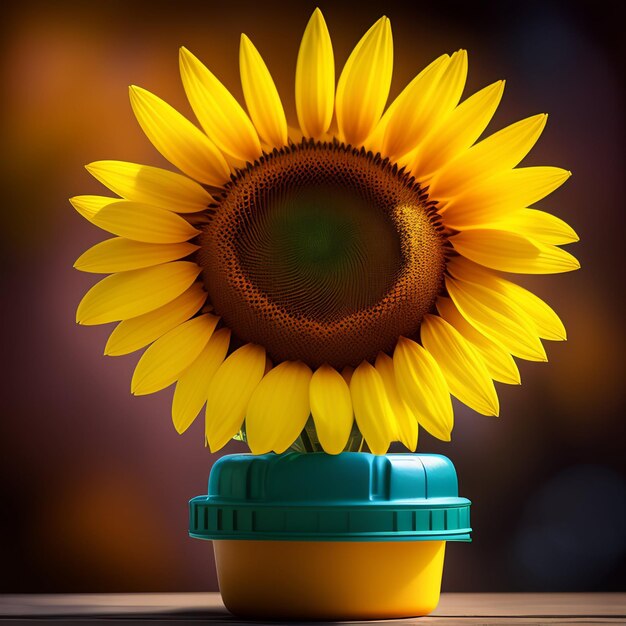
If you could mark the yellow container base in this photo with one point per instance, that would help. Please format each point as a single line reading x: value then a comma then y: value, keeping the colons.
x: 313, y: 580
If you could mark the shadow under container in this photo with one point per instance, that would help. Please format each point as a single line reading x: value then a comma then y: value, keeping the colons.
x: 315, y: 536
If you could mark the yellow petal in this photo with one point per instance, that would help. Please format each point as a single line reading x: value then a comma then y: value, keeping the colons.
x: 498, y: 361
x: 498, y: 249
x: 428, y: 98
x: 151, y: 185
x: 170, y: 355
x: 261, y: 95
x: 450, y: 87
x: 229, y: 393
x: 128, y: 294
x: 89, y: 206
x: 178, y: 140
x: 551, y: 260
x: 120, y: 255
x: 498, y: 152
x: 372, y: 410
x: 315, y: 78
x: 364, y: 84
x: 461, y: 129
x: 497, y: 318
x: 193, y: 385
x: 509, y: 252
x: 410, y: 109
x: 219, y: 113
x: 546, y: 321
x: 331, y: 408
x: 423, y: 387
x: 539, y: 225
x: 137, y: 332
x: 501, y: 194
x: 406, y: 421
x: 278, y: 408
x: 143, y: 222
x: 462, y: 366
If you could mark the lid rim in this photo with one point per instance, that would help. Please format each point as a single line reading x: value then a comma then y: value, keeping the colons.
x: 309, y: 505
x: 461, y: 536
x: 356, y: 497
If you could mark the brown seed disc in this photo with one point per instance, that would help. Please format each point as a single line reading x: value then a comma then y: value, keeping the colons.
x: 322, y: 253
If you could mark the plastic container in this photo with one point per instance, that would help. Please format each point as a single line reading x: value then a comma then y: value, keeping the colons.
x: 315, y: 536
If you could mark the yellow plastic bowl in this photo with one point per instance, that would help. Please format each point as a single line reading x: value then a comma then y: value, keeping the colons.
x: 329, y: 580
x: 353, y: 536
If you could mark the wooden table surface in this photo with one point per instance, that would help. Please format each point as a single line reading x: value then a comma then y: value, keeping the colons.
x: 180, y: 608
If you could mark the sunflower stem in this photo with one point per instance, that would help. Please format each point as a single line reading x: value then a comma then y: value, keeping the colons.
x: 298, y: 446
x: 306, y: 440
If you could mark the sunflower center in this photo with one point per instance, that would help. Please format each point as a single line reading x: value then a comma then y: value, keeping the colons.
x: 323, y: 254
x: 320, y: 251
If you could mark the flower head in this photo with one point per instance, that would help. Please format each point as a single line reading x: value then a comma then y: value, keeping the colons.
x: 336, y: 282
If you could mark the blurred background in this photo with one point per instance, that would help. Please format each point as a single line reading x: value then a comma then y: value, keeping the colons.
x: 94, y: 483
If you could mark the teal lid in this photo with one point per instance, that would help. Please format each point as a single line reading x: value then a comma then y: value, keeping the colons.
x: 353, y: 496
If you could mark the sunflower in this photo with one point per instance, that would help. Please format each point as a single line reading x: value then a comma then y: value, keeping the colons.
x: 334, y: 283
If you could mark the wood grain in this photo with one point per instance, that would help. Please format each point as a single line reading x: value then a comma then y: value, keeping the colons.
x: 177, y: 608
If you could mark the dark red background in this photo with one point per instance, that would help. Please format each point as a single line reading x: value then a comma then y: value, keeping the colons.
x: 94, y: 482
